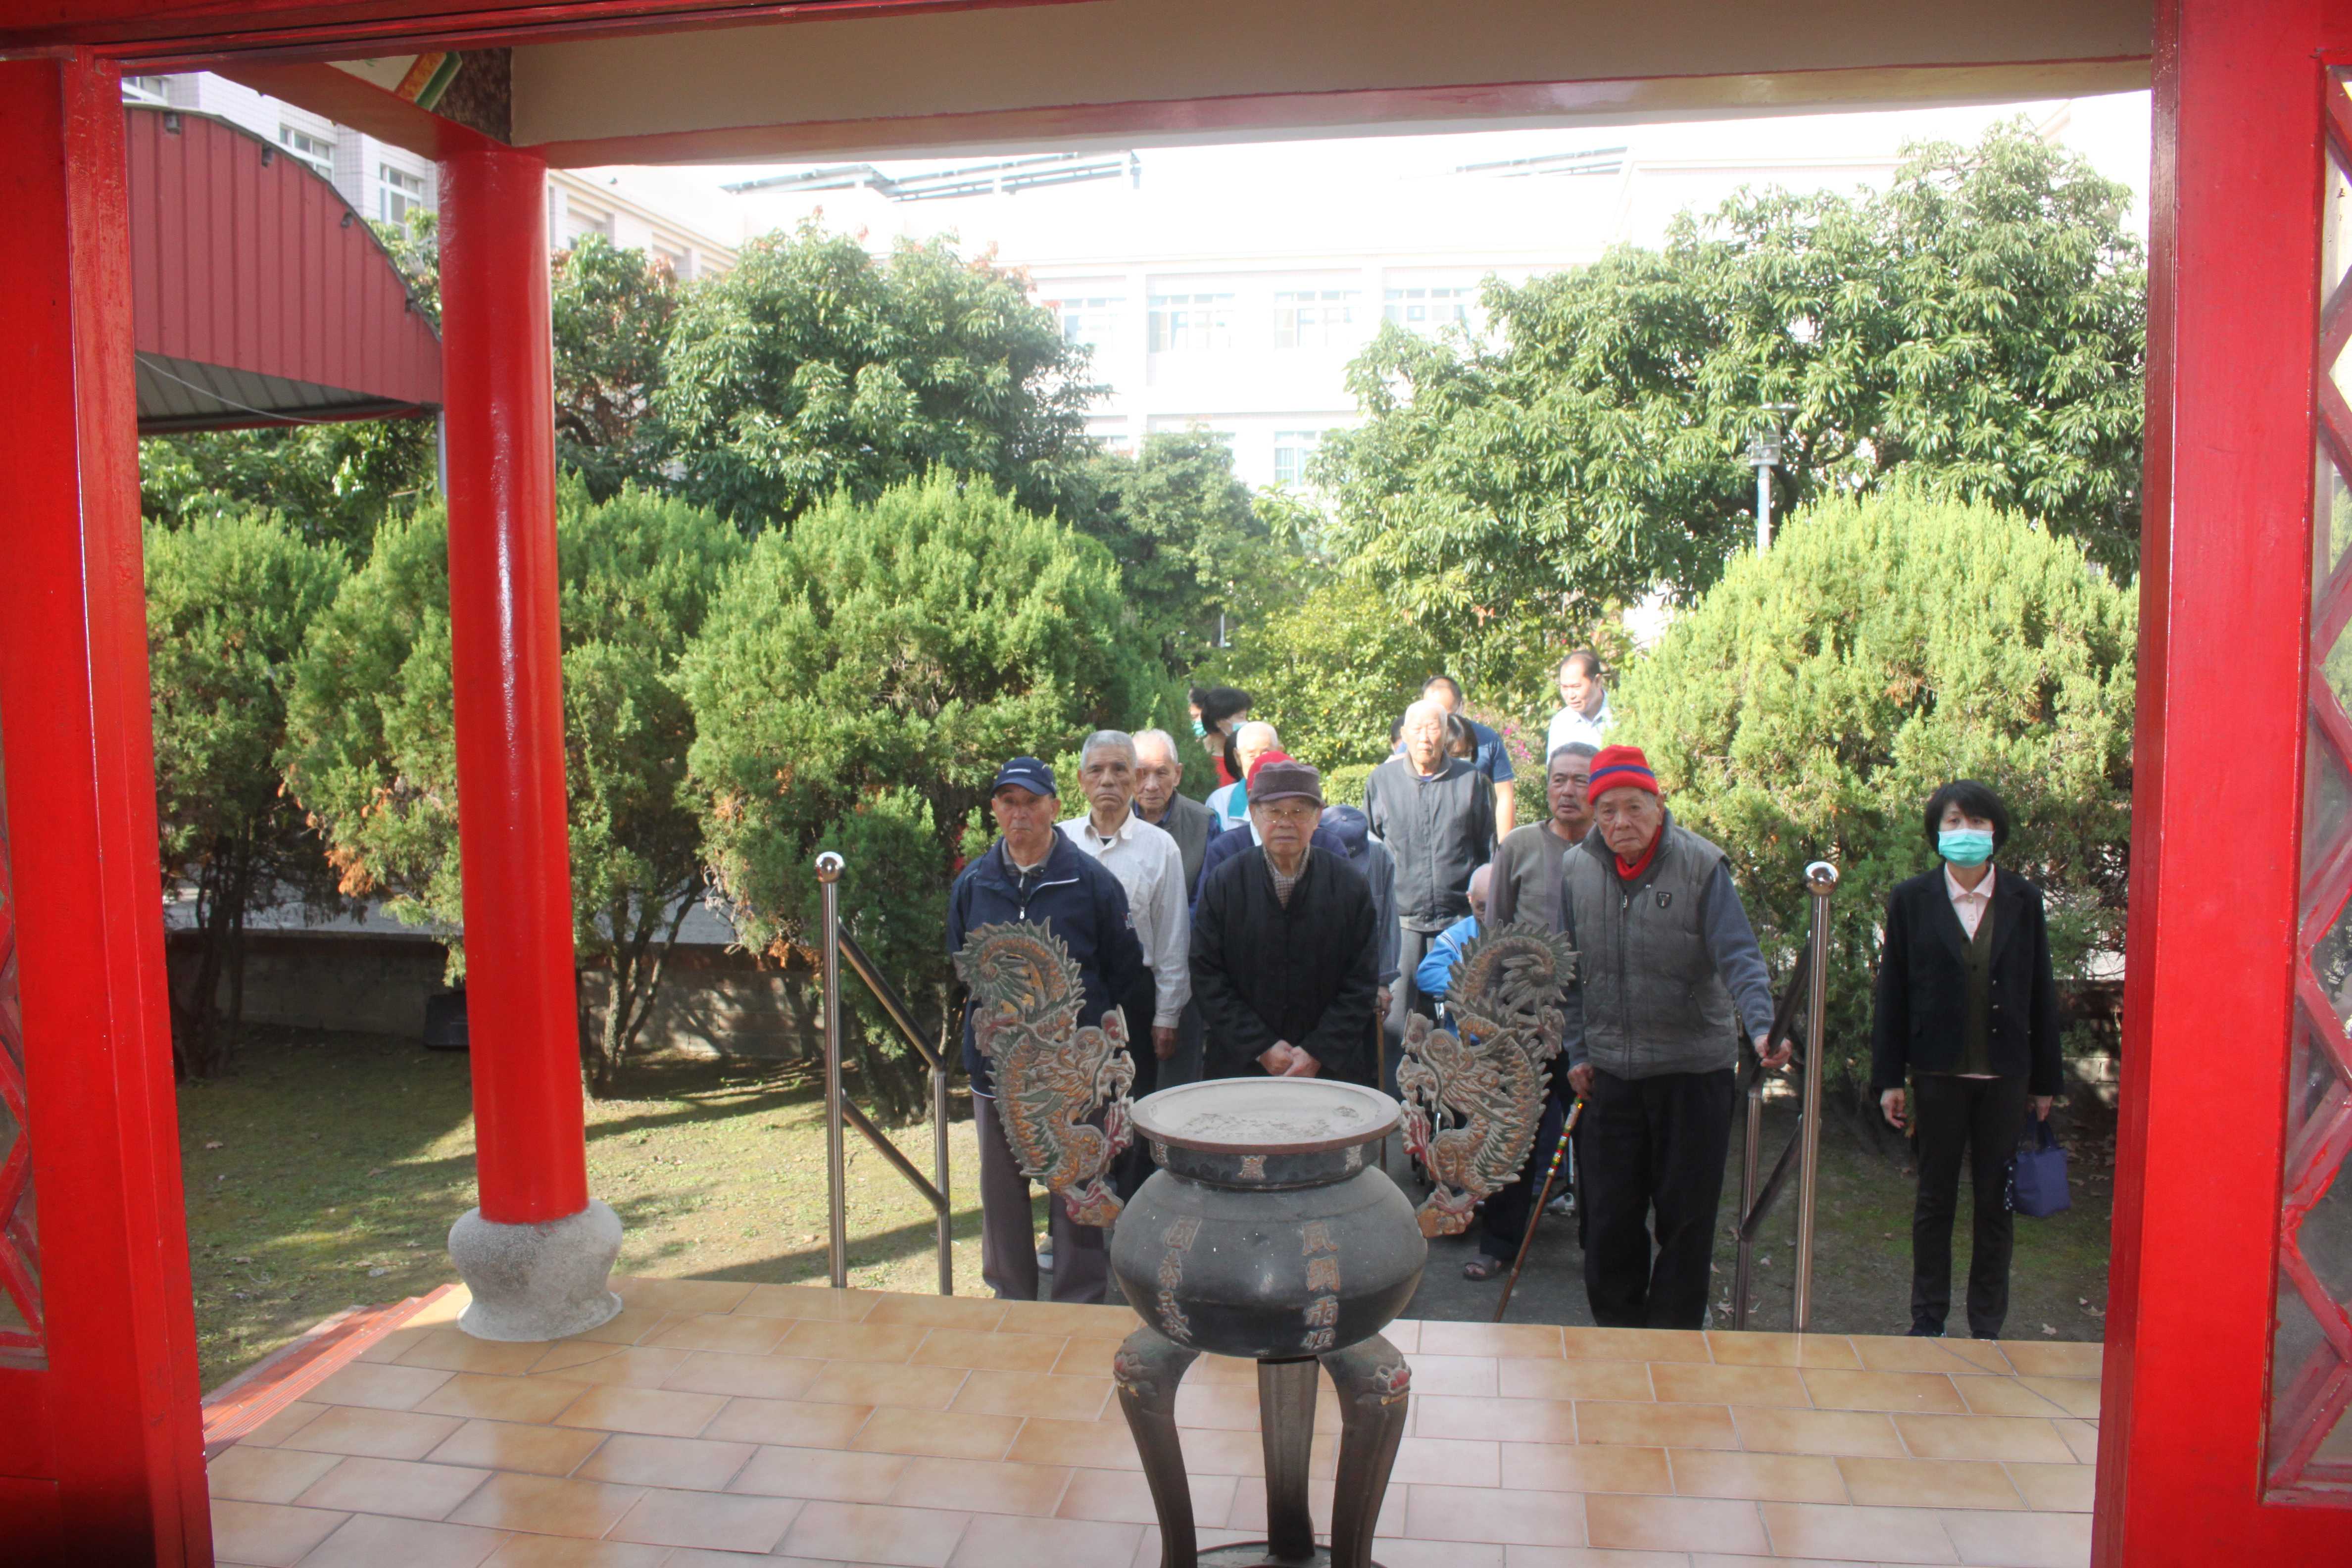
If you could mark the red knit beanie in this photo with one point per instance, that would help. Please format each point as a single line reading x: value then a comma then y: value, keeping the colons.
x: 1619, y: 767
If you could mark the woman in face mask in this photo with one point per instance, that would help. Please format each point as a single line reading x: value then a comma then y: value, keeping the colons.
x: 1966, y: 1009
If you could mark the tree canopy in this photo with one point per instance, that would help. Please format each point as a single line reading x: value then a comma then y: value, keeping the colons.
x: 1976, y: 330
x: 1811, y: 702
x: 612, y: 315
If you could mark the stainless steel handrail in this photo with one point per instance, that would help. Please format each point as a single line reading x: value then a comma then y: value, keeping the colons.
x: 1803, y: 1150
x: 839, y: 946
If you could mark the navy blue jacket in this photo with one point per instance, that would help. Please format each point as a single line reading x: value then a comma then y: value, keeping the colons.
x: 1233, y: 840
x: 1071, y: 895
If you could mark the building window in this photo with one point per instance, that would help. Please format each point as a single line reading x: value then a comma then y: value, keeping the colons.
x: 579, y: 221
x: 1292, y: 451
x: 1430, y: 309
x: 146, y: 90
x: 1315, y: 319
x: 319, y: 152
x: 1183, y: 323
x: 1093, y: 322
x: 679, y: 262
x: 398, y: 193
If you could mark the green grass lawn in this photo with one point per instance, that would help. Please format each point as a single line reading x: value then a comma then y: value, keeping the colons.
x: 327, y: 1170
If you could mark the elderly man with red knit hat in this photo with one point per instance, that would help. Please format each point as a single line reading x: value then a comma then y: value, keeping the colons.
x: 1668, y: 982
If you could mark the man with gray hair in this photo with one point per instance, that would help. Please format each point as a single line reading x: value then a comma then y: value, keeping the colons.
x: 1436, y: 814
x: 1151, y: 869
x: 1158, y: 800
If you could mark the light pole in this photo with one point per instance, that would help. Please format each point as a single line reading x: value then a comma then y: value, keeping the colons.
x: 1764, y: 455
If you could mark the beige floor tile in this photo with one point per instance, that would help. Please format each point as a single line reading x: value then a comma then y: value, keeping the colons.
x: 1123, y: 1497
x: 1533, y: 1341
x: 265, y: 1475
x: 1866, y: 1534
x: 1495, y: 1420
x: 1470, y: 1375
x: 1983, y: 1437
x: 1147, y: 1551
x: 937, y: 1434
x: 720, y: 1332
x: 720, y: 1522
x: 1103, y: 1445
x: 1637, y: 1344
x: 2056, y: 1358
x: 449, y: 1350
x: 688, y: 1464
x: 372, y: 1540
x: 376, y: 1387
x: 681, y: 1295
x: 1831, y: 1431
x: 2021, y: 1540
x: 628, y: 1366
x: 560, y: 1552
x: 1673, y: 1524
x: 975, y: 1313
x: 1686, y: 1383
x: 1596, y: 1468
x: 1086, y: 1357
x: 2055, y: 1489
x: 1494, y: 1514
x: 2081, y: 1437
x: 759, y: 1377
x: 820, y: 1475
x: 1590, y: 1557
x: 1928, y: 1483
x: 793, y: 1423
x: 1405, y: 1335
x: 853, y: 1342
x: 1232, y: 1406
x: 865, y: 1533
x: 1520, y: 1379
x: 1655, y: 1426
x: 547, y: 1505
x: 510, y: 1446
x: 2077, y: 1397
x: 981, y: 1486
x: 562, y: 1356
x: 1915, y: 1392
x: 282, y: 1425
x: 1249, y: 1507
x: 400, y: 1486
x: 880, y: 1383
x: 1404, y: 1552
x: 486, y: 1398
x: 1447, y: 1462
x: 1780, y: 1478
x: 976, y: 1351
x: 657, y: 1412
x: 995, y: 1541
x: 380, y: 1433
x: 388, y: 1346
x: 625, y: 1328
x: 1105, y: 1323
x: 267, y: 1534
x: 1906, y: 1353
x: 1212, y: 1452
x: 820, y: 1301
x: 1027, y: 1393
x: 2005, y: 1396
x: 1733, y: 1349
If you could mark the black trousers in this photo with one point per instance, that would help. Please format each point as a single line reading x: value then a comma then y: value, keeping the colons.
x: 1653, y: 1146
x: 1134, y: 1165
x: 1982, y: 1118
x: 1503, y: 1218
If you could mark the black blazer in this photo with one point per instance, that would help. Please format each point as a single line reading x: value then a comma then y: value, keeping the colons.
x: 1921, y: 1006
x: 1305, y: 973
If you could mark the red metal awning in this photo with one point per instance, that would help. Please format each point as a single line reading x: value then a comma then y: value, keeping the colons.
x: 258, y: 297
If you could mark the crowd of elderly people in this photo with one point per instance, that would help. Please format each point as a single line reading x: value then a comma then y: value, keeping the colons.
x: 1269, y: 932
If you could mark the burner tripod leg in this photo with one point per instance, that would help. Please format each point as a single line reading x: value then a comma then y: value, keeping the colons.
x: 1147, y: 1369
x: 1286, y: 1417
x: 1374, y: 1386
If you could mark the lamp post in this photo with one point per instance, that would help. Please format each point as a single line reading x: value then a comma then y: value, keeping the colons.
x: 1764, y: 455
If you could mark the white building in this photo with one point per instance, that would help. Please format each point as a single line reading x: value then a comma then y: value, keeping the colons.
x: 386, y: 183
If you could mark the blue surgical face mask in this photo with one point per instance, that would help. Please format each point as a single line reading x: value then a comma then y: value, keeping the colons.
x: 1199, y: 728
x: 1965, y: 845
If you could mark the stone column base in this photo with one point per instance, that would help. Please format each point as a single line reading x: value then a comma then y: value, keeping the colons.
x: 537, y: 1281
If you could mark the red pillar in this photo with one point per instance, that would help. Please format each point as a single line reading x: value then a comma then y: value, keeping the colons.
x: 101, y: 1446
x: 498, y: 370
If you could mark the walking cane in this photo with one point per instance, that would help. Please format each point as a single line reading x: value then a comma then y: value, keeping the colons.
x: 1552, y: 1174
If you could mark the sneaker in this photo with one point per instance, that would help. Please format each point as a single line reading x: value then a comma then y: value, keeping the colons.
x: 1045, y: 1258
x: 1562, y: 1206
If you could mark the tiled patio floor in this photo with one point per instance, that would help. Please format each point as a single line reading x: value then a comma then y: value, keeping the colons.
x: 718, y: 1423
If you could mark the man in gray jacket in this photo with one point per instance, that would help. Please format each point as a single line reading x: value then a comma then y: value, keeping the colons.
x: 1668, y: 981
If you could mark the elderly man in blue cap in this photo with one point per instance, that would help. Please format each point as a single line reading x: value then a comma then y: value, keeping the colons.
x: 1035, y: 873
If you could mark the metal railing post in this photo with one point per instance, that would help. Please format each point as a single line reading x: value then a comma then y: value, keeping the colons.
x: 828, y: 873
x: 944, y: 1219
x: 1748, y: 1156
x: 1821, y: 881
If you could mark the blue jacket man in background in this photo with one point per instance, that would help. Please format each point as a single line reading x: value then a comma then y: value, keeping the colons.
x: 1034, y: 873
x: 1435, y: 977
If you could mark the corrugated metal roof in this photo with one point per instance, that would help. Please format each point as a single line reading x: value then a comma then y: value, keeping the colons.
x: 258, y: 297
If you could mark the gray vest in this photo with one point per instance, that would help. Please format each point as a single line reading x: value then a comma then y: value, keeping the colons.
x: 1653, y: 1001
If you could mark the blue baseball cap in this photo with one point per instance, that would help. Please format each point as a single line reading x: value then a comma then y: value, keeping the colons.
x: 1027, y: 773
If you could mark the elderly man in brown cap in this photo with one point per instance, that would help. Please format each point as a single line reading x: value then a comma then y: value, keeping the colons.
x: 1286, y: 945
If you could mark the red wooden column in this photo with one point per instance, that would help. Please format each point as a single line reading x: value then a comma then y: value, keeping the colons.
x: 537, y: 1252
x: 2225, y: 1057
x: 101, y: 1457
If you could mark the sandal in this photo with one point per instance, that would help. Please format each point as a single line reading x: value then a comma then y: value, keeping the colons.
x: 1482, y: 1267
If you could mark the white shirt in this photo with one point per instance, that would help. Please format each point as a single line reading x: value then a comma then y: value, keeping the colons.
x: 1570, y: 726
x: 1150, y: 867
x: 1969, y: 904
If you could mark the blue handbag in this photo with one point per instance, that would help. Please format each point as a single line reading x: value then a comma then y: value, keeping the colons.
x: 2037, y: 1178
